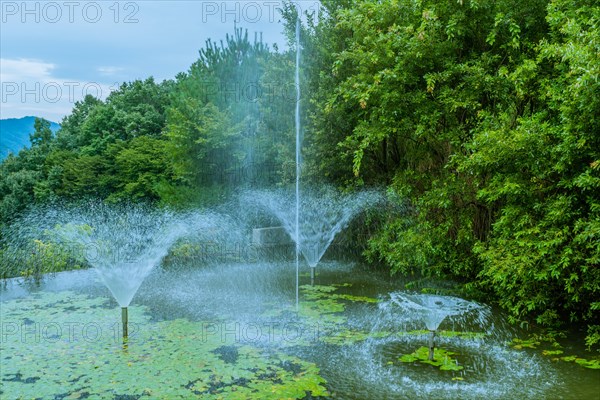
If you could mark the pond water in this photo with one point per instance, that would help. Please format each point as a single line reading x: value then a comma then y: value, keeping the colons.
x: 234, y: 332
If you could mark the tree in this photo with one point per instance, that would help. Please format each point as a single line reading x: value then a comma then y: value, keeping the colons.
x: 19, y: 175
x: 481, y: 119
x: 543, y: 255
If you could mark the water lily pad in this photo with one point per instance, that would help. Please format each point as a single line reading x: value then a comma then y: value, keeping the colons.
x: 569, y: 358
x: 591, y: 364
x: 169, y: 359
x: 350, y: 336
x: 441, y: 358
x: 549, y: 339
x: 442, y: 333
x: 349, y: 297
x: 525, y: 343
x: 552, y: 352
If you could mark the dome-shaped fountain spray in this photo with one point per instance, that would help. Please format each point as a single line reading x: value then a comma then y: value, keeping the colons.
x: 433, y: 309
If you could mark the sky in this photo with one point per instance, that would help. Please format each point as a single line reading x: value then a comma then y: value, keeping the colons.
x: 53, y: 53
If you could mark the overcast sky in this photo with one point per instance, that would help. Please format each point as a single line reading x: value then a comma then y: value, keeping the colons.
x: 54, y: 52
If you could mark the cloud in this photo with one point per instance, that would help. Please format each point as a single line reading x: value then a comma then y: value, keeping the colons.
x: 22, y: 69
x: 109, y: 71
x: 31, y: 87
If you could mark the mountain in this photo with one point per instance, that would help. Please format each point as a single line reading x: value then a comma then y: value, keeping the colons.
x: 14, y: 134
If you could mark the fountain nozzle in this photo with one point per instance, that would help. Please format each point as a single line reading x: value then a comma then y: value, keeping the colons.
x: 124, y: 321
x: 431, y: 345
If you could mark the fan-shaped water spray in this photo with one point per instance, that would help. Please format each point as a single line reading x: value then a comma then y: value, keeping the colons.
x: 432, y: 310
x: 323, y: 214
x: 122, y: 243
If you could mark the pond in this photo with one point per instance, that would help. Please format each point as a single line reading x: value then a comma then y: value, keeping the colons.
x: 235, y: 332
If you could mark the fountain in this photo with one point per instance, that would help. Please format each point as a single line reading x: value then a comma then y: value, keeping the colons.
x: 433, y: 310
x: 318, y: 215
x: 122, y: 243
x: 236, y: 316
x: 323, y: 214
x: 206, y: 314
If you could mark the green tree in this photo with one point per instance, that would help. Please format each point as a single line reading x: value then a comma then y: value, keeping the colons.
x: 481, y: 119
x: 140, y: 165
x: 21, y: 174
x: 223, y: 126
x: 543, y: 255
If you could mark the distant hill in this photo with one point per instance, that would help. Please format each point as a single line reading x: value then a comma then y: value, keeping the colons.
x: 14, y: 134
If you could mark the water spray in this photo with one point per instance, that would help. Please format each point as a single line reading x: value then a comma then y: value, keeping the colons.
x: 433, y: 309
x: 298, y: 170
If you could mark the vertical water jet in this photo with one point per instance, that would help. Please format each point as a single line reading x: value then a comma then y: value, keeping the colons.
x: 297, y: 161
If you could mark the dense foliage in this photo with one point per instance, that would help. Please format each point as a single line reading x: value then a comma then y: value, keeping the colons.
x: 484, y: 116
x: 479, y: 117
